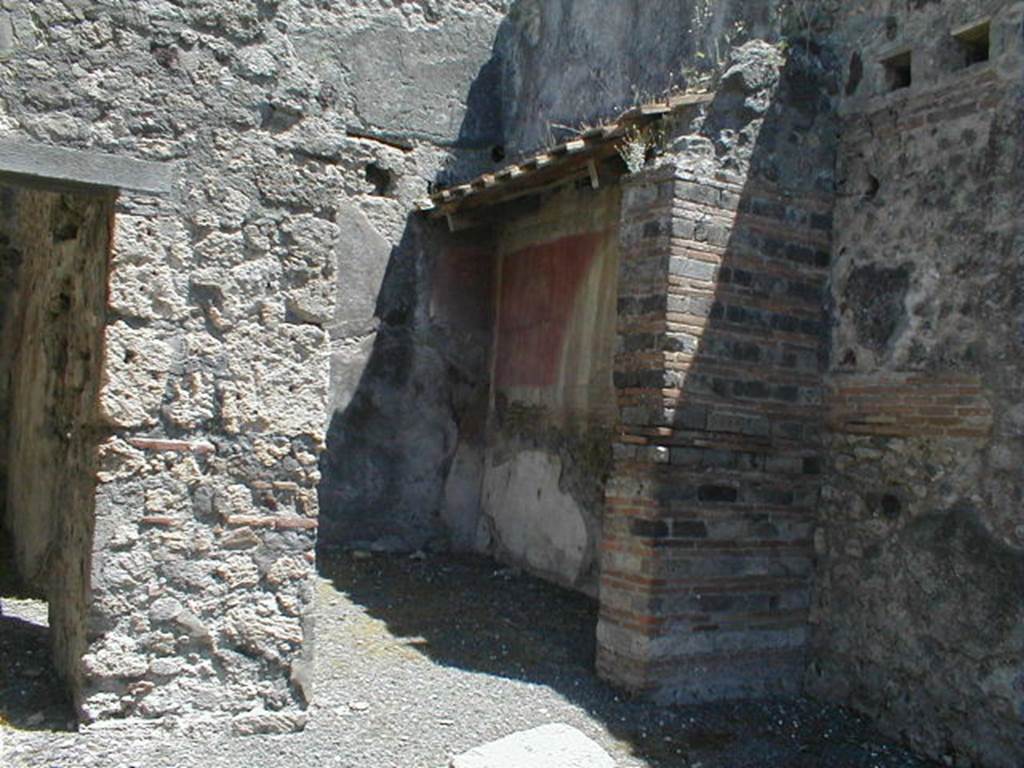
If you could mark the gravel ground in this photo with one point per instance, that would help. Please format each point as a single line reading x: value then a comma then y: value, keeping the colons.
x: 421, y: 659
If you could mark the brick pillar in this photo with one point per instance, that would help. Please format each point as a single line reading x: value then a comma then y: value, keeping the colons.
x: 710, y: 507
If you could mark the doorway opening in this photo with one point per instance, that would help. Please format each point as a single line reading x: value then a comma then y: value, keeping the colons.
x: 54, y: 248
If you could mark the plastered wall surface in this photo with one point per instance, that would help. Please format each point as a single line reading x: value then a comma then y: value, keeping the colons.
x: 552, y: 413
x: 462, y: 308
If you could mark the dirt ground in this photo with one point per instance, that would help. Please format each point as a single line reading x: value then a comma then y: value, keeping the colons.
x: 419, y: 659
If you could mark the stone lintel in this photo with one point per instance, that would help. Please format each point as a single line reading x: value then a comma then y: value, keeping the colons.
x: 59, y: 168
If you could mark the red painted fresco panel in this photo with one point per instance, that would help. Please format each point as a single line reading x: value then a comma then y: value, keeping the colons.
x: 539, y: 286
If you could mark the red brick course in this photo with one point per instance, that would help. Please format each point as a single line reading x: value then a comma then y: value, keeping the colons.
x: 908, y: 405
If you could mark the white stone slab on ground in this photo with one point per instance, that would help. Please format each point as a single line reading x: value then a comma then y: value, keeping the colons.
x: 549, y: 746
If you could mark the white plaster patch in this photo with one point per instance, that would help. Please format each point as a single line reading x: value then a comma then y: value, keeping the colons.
x: 534, y: 521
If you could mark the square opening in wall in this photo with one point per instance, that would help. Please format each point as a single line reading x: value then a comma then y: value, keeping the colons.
x: 972, y: 44
x: 898, y: 71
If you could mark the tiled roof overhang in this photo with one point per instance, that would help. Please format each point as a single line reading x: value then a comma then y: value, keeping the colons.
x: 558, y: 164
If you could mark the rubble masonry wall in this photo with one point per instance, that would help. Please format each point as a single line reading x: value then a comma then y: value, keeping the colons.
x: 918, y: 614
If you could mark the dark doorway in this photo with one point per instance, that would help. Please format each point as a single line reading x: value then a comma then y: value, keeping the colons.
x: 54, y: 248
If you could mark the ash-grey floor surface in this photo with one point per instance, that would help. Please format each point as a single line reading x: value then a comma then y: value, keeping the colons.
x: 421, y: 659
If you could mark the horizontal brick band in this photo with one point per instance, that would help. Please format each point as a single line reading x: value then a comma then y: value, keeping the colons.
x: 908, y: 405
x: 747, y: 584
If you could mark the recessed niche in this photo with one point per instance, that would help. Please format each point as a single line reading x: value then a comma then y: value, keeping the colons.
x: 891, y: 506
x: 381, y: 178
x: 898, y: 71
x: 973, y: 43
x: 856, y: 73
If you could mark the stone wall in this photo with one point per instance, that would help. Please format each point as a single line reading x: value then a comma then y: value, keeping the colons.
x: 918, y: 609
x: 707, y: 561
x: 324, y: 122
x: 567, y: 62
x: 215, y: 388
x: 52, y: 359
x: 415, y: 92
x: 553, y: 406
x: 301, y: 132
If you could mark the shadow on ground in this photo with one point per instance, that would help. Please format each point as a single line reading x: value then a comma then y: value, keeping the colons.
x: 31, y: 695
x: 472, y: 614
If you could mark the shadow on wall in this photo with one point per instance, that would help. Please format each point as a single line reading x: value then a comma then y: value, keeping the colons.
x: 411, y: 423
x: 410, y: 434
x: 415, y: 412
x: 389, y: 450
x: 571, y: 62
x: 740, y: 375
x: 739, y: 371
